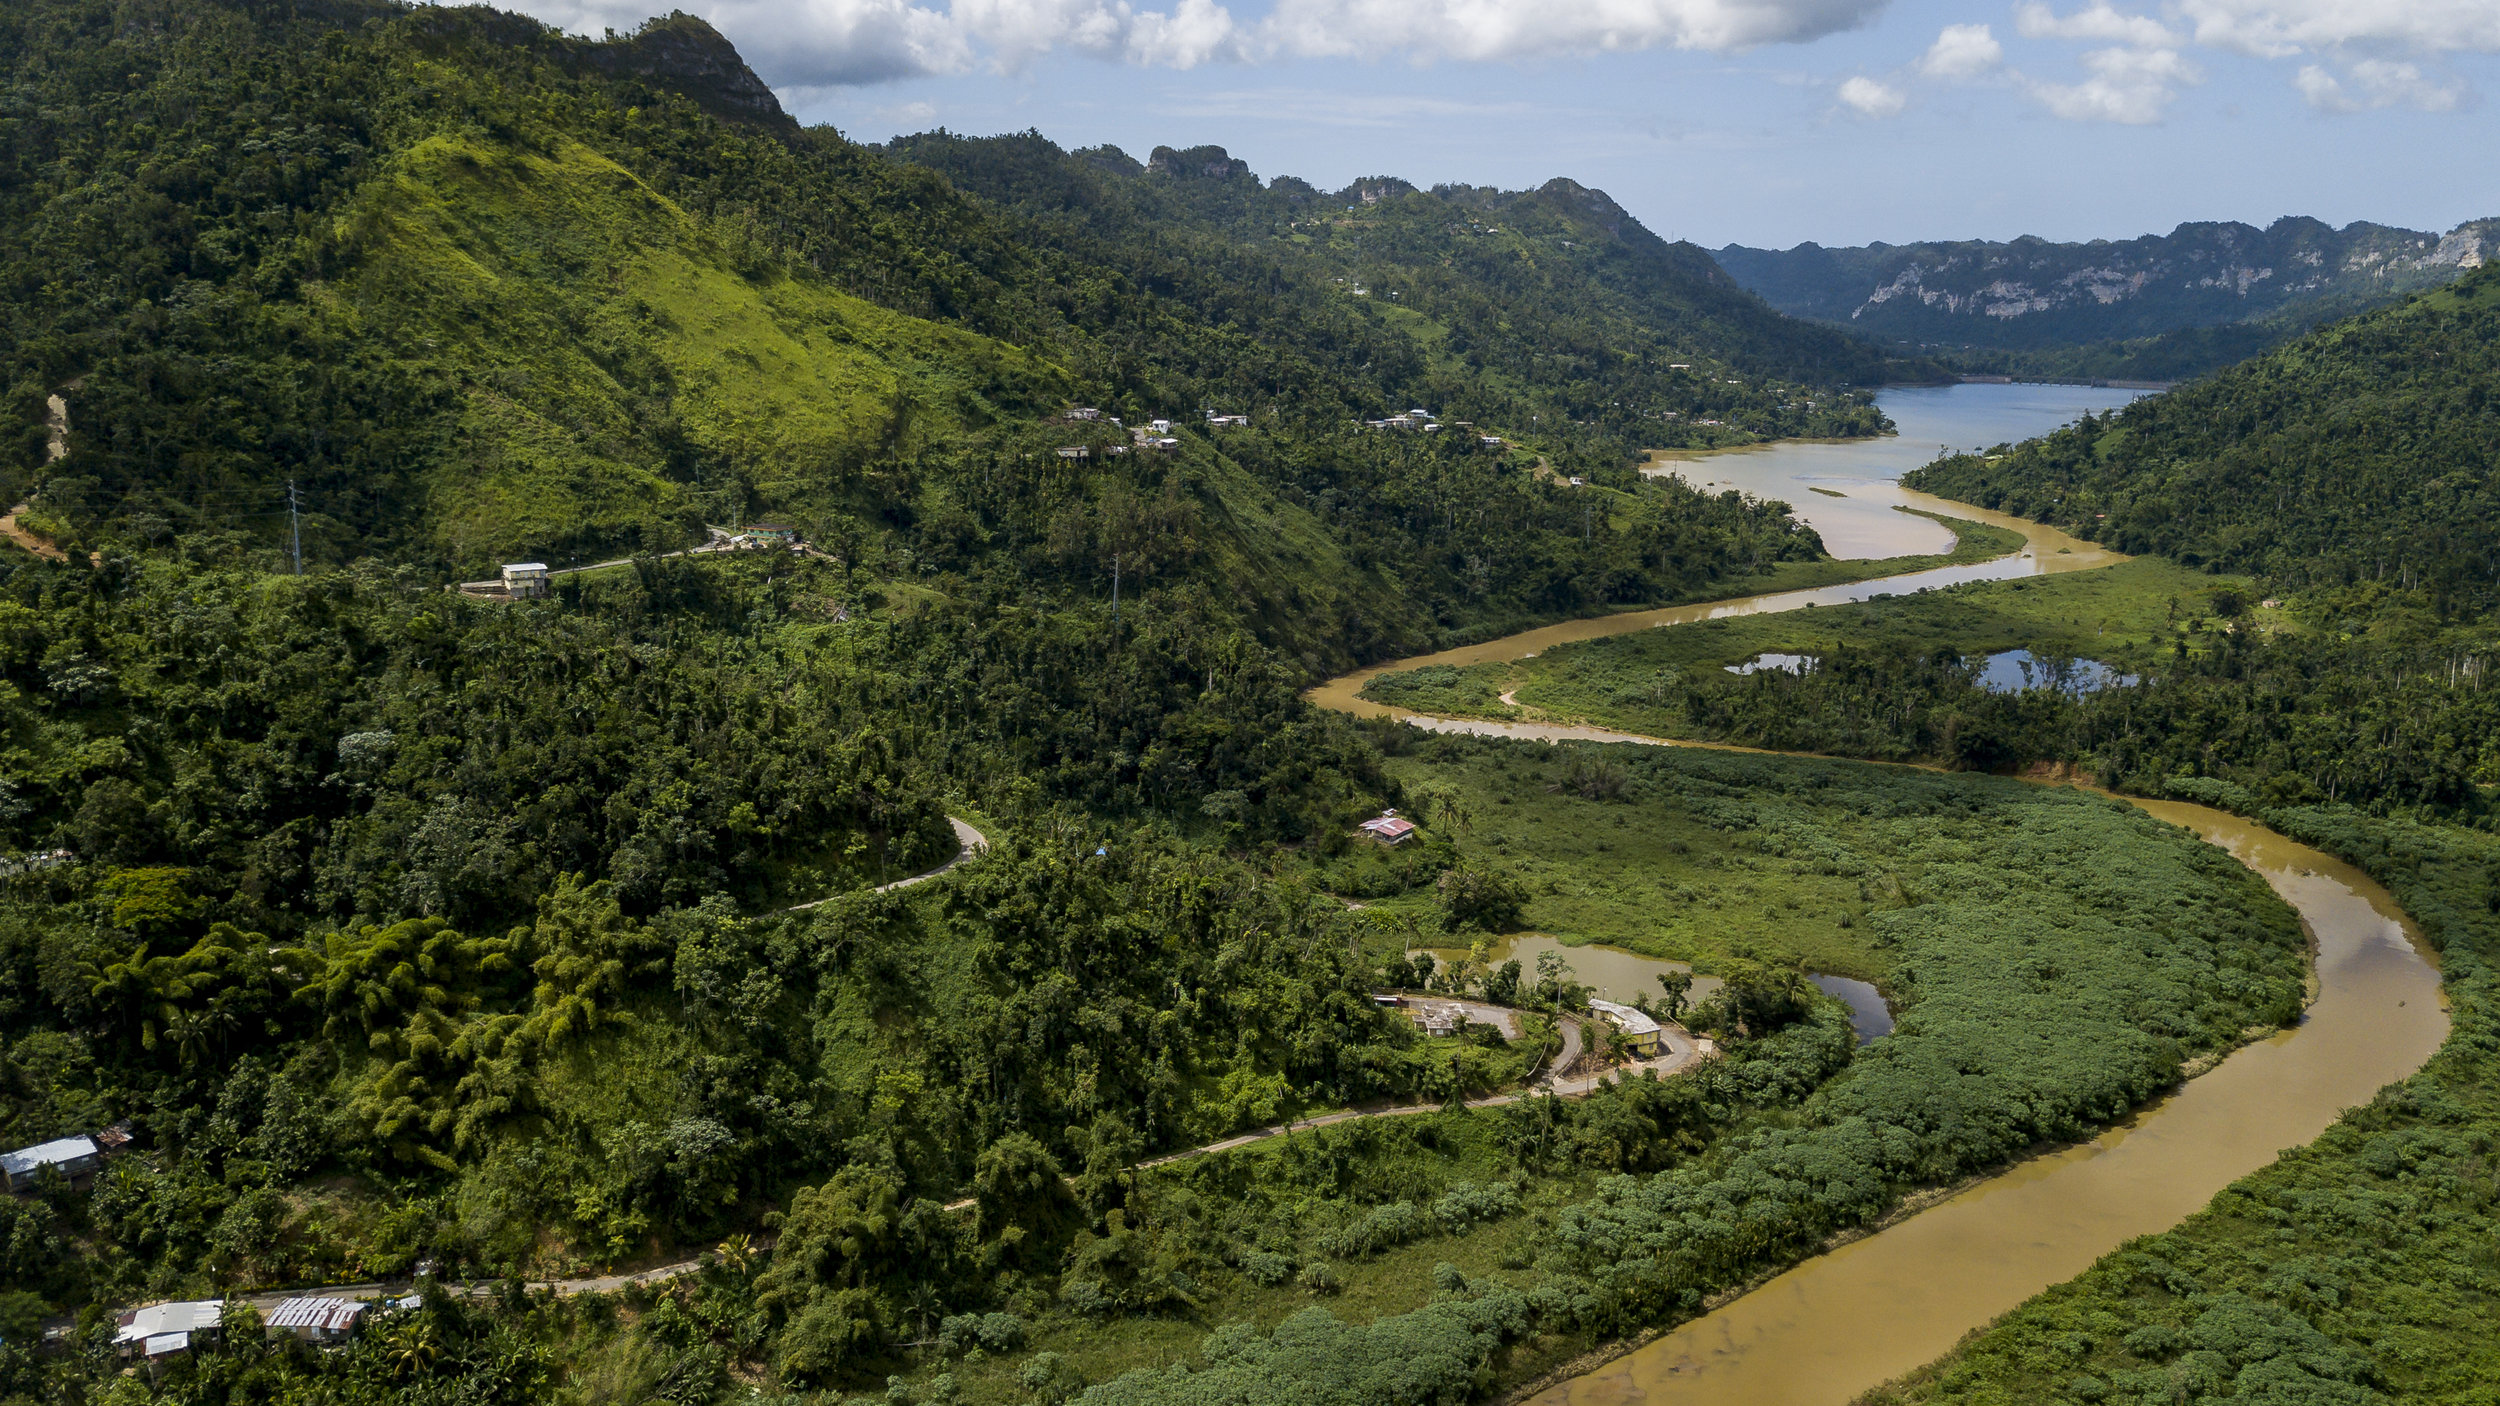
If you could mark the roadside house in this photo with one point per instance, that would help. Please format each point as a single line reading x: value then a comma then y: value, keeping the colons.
x: 525, y: 580
x: 1642, y: 1035
x: 314, y: 1320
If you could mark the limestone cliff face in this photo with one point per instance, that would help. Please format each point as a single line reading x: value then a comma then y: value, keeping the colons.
x: 2030, y: 292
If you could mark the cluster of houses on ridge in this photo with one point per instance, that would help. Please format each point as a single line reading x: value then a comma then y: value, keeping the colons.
x: 1154, y: 434
x: 532, y: 580
x: 1423, y: 421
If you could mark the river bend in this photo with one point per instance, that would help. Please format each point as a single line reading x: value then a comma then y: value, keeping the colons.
x: 1849, y: 1320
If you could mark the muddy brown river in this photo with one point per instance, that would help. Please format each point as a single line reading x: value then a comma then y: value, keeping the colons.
x: 1847, y: 1321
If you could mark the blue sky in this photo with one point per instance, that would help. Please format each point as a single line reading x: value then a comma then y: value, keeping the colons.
x: 1746, y: 121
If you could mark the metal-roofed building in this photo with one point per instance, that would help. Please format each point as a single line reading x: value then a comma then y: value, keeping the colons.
x: 314, y: 1320
x: 73, y: 1157
x: 1389, y: 828
x: 163, y: 1328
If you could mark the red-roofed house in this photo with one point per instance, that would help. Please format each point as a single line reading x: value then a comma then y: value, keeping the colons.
x: 1389, y: 829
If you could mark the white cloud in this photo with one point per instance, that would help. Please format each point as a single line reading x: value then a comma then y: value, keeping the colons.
x: 826, y: 42
x: 2132, y: 86
x: 1516, y: 29
x: 1872, y: 98
x: 1339, y: 108
x: 2098, y: 24
x: 2280, y: 28
x: 2376, y: 83
x: 1962, y: 51
x: 802, y: 44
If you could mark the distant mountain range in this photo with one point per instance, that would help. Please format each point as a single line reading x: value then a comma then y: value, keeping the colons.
x: 2209, y: 292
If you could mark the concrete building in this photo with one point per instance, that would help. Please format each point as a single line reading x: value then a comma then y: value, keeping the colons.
x: 525, y: 580
x: 1643, y: 1036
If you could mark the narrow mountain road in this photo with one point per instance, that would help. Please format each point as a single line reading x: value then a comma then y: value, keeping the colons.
x: 969, y: 844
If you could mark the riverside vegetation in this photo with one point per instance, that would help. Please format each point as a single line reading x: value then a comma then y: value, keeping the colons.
x: 402, y: 926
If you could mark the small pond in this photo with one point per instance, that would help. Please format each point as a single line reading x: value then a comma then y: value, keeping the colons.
x: 2020, y: 671
x: 1611, y: 973
x: 1868, y: 1015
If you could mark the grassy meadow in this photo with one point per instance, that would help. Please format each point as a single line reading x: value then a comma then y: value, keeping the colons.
x: 2133, y: 616
x: 2084, y: 987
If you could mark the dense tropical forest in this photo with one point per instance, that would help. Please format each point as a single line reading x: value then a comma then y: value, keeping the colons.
x: 428, y: 939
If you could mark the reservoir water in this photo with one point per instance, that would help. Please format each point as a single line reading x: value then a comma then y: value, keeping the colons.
x: 1866, y: 472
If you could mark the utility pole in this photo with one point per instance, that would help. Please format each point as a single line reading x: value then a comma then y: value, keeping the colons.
x: 295, y: 527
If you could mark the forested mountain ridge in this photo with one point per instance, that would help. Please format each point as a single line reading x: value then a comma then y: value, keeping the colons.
x: 2029, y: 292
x: 2363, y: 452
x: 2162, y: 306
x: 1553, y: 286
x: 479, y: 290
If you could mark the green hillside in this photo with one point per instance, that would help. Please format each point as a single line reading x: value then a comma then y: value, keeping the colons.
x: 2360, y: 453
x: 565, y: 937
x: 1498, y: 304
x: 473, y: 293
x: 570, y: 296
x: 481, y: 291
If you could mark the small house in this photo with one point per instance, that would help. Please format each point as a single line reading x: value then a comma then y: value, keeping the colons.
x: 1439, y: 1019
x: 1084, y: 412
x: 1159, y: 426
x: 1075, y: 451
x: 772, y: 534
x: 1642, y: 1035
x: 1389, y: 828
x: 166, y: 1329
x: 73, y: 1157
x: 314, y: 1320
x: 525, y: 580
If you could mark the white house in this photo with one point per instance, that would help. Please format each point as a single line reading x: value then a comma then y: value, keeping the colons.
x: 163, y: 1329
x: 1643, y: 1036
x: 525, y: 580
